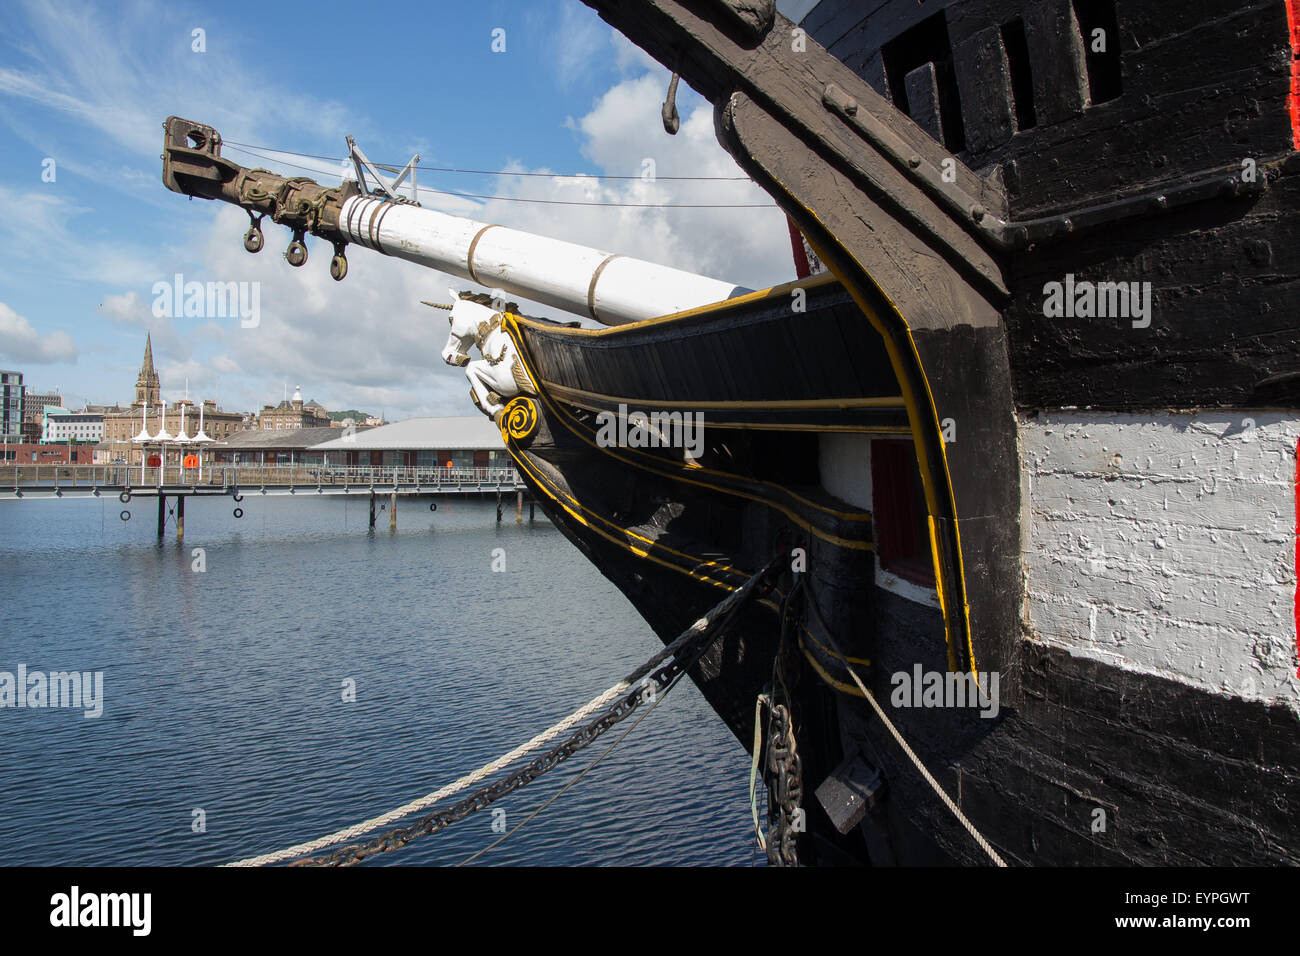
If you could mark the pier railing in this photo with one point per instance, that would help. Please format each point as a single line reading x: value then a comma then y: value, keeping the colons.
x: 230, y: 476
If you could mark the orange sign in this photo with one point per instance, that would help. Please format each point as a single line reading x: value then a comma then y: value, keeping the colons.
x: 448, y: 464
x: 191, y: 461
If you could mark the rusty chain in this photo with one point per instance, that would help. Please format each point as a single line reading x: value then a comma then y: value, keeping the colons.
x: 650, y: 680
x: 784, y: 778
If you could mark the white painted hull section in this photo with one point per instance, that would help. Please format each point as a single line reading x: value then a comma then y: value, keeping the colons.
x: 1165, y: 543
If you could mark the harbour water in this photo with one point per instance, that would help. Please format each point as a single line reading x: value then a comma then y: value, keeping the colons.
x: 225, y: 730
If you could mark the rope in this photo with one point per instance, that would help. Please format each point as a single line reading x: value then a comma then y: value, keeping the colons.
x: 753, y: 769
x: 248, y: 147
x: 585, y: 770
x: 889, y: 725
x: 392, y: 816
x: 723, y: 610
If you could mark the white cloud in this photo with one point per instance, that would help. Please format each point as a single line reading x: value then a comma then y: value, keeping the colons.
x: 580, y: 40
x: 127, y: 309
x: 367, y: 343
x: 132, y: 310
x: 225, y: 365
x: 623, y: 130
x: 41, y: 237
x: 21, y: 343
x: 86, y: 63
x: 629, y: 57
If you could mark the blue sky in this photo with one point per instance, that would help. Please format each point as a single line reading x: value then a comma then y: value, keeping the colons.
x: 89, y: 85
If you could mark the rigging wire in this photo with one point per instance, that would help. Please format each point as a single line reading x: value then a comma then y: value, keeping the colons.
x: 546, y: 202
x: 478, y: 172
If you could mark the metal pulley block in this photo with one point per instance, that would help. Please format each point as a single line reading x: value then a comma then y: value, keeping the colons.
x: 253, y: 239
x: 339, y: 264
x: 296, y: 254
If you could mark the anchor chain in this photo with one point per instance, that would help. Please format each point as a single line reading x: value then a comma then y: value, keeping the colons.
x: 646, y: 684
x: 646, y: 692
x: 783, y: 767
x: 783, y: 775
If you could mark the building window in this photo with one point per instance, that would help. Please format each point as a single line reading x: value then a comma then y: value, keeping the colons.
x: 898, y: 512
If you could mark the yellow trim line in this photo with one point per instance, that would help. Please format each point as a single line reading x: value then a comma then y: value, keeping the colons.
x: 545, y: 486
x: 776, y: 291
x: 923, y: 415
x: 554, y: 494
x: 884, y: 401
x: 571, y: 424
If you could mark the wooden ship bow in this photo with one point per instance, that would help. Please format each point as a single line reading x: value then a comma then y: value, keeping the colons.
x: 956, y: 167
x: 915, y: 430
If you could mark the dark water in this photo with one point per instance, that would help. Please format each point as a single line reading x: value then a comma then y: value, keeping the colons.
x: 223, y: 689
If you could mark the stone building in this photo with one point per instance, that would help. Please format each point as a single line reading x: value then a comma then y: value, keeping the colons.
x: 293, y: 414
x: 60, y: 425
x: 122, y: 426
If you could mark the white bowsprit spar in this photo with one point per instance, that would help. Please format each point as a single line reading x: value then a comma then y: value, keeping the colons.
x: 609, y: 288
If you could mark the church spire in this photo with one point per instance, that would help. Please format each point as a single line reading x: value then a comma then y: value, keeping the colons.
x: 146, y: 370
x: 147, y: 386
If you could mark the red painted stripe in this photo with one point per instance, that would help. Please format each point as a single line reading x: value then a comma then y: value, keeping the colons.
x: 803, y: 270
x: 1297, y: 555
x: 1293, y: 100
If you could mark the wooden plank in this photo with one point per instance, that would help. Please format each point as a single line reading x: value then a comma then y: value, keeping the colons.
x: 923, y: 100
x: 1056, y: 59
x: 984, y: 82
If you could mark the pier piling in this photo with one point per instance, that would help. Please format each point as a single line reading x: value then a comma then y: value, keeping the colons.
x: 498, y: 506
x: 180, y: 517
x: 392, y: 511
x: 162, y: 515
x: 519, y: 507
x: 532, y: 510
x: 372, y: 510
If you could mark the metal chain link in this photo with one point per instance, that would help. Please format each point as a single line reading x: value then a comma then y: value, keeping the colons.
x: 684, y: 653
x: 580, y: 739
x: 784, y: 778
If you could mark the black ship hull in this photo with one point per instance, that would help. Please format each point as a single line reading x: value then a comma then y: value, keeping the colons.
x: 1165, y: 762
x: 1134, y: 723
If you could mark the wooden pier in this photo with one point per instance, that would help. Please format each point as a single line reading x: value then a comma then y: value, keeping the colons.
x: 28, y: 482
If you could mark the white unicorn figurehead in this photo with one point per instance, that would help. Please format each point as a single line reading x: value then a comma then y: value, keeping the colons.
x: 498, y: 375
x: 467, y: 320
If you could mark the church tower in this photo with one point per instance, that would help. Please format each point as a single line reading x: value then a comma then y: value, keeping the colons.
x: 147, y: 387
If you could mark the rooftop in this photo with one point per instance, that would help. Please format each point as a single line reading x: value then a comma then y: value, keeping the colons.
x: 468, y: 432
x: 299, y: 438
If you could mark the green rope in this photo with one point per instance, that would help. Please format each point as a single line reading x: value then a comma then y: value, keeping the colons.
x: 753, y: 766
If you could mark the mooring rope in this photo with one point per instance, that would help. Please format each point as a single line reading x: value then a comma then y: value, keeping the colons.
x: 753, y: 768
x: 889, y: 725
x: 582, y: 773
x: 415, y: 806
x: 721, y: 612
